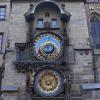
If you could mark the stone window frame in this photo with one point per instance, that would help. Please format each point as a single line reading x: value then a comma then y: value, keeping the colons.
x: 21, y: 54
x: 38, y: 21
x: 92, y: 16
x: 21, y: 51
x: 52, y: 21
x: 2, y: 12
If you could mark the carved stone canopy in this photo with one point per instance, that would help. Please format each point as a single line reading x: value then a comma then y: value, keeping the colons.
x: 65, y: 16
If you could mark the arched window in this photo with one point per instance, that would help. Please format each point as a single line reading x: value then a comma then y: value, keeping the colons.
x: 95, y: 30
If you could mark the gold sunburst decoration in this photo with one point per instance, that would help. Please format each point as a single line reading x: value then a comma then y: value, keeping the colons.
x: 48, y: 81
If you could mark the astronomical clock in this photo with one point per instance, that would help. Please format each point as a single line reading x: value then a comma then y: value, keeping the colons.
x: 46, y: 44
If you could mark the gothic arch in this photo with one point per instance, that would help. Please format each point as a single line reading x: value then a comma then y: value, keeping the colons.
x: 95, y: 29
x: 96, y: 14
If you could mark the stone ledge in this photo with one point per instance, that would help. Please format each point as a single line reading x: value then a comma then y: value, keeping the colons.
x: 9, y: 50
x: 9, y: 89
x: 49, y: 98
x: 90, y: 86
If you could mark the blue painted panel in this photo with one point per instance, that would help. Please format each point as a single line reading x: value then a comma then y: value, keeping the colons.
x: 90, y: 86
x: 95, y: 30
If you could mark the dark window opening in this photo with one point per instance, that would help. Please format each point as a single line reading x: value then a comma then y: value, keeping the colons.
x: 1, y: 41
x: 2, y: 12
x: 95, y: 31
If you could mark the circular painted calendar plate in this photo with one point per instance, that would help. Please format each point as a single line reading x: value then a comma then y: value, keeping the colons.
x: 48, y: 82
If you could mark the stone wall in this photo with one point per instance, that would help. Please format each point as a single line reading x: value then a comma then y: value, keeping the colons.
x: 4, y: 27
x: 17, y: 34
x: 18, y: 27
x: 81, y: 66
x: 91, y: 95
x: 80, y: 62
x: 93, y: 9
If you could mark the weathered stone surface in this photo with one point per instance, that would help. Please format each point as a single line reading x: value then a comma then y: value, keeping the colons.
x: 81, y: 65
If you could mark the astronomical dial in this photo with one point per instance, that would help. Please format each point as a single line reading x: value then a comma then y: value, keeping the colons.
x: 47, y: 46
x: 48, y: 82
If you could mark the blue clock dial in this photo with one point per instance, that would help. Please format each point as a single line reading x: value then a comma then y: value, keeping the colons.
x: 48, y: 47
